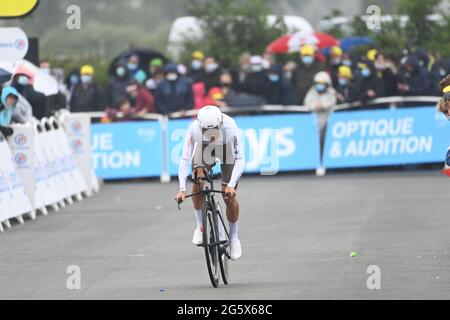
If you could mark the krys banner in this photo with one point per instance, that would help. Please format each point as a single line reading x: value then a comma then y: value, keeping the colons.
x: 272, y: 143
x: 386, y: 137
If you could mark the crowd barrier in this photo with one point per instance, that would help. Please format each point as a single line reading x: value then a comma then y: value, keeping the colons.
x: 45, y: 165
x: 283, y: 138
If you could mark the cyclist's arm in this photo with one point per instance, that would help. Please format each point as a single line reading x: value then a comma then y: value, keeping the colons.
x: 185, y: 161
x: 238, y: 155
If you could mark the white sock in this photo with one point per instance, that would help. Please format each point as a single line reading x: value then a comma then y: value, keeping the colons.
x: 234, y: 230
x: 198, y: 217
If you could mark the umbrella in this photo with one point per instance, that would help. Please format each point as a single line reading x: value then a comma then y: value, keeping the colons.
x: 348, y: 43
x: 145, y: 56
x: 292, y: 42
x: 42, y: 82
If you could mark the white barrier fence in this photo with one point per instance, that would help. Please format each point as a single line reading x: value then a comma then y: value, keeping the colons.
x: 43, y: 166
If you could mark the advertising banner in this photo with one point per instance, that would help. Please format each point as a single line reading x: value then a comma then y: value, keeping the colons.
x: 386, y: 137
x: 126, y: 149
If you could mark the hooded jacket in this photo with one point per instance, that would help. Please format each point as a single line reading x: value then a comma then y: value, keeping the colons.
x: 6, y: 114
x: 172, y: 96
x: 418, y: 79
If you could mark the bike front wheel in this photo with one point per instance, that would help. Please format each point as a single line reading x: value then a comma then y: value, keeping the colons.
x: 210, y: 242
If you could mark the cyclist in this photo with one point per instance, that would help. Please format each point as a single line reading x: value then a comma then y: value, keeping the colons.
x: 214, y: 135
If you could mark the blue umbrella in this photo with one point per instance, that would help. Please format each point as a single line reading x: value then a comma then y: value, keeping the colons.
x: 350, y: 42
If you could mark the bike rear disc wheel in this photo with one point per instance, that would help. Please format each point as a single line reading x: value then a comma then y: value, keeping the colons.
x: 211, y: 251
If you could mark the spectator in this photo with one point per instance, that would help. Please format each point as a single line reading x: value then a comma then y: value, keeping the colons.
x: 73, y: 79
x: 226, y: 67
x: 413, y: 79
x: 334, y: 64
x: 212, y: 73
x: 45, y: 67
x: 23, y: 83
x: 233, y: 98
x: 9, y: 99
x: 123, y: 111
x: 174, y: 93
x: 141, y: 99
x: 116, y: 88
x: 244, y: 66
x: 195, y: 73
x: 305, y: 72
x: 368, y: 85
x: 288, y: 70
x: 155, y: 75
x: 345, y: 89
x: 280, y: 91
x: 386, y: 73
x: 133, y: 64
x: 56, y: 101
x: 87, y: 96
x: 321, y: 98
x: 256, y: 82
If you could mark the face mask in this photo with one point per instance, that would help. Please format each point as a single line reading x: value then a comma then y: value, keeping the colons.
x: 320, y: 87
x: 196, y: 64
x: 121, y: 71
x: 342, y: 82
x: 274, y: 77
x: 347, y: 63
x: 86, y: 79
x: 132, y: 66
x: 45, y: 70
x: 172, y: 77
x: 74, y: 80
x: 256, y: 68
x: 307, y: 60
x: 288, y: 75
x: 22, y: 80
x: 211, y: 67
x: 365, y: 73
x: 442, y: 73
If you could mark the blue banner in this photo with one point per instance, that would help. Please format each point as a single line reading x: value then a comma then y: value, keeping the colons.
x: 127, y: 149
x: 386, y: 137
x: 272, y: 143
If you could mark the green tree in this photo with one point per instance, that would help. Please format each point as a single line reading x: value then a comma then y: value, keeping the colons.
x: 231, y: 27
x: 418, y: 29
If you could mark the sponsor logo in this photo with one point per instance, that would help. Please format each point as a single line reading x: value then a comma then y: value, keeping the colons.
x: 76, y: 127
x: 76, y: 144
x: 20, y: 139
x: 21, y: 159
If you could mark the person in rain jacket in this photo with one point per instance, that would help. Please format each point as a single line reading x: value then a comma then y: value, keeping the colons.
x: 305, y: 72
x: 9, y: 98
x: 413, y: 79
x: 174, y: 93
x: 321, y: 98
x: 117, y: 85
x: 280, y: 90
x: 23, y: 82
x: 368, y: 85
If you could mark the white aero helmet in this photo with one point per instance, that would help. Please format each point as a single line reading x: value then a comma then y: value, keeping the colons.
x: 210, y: 117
